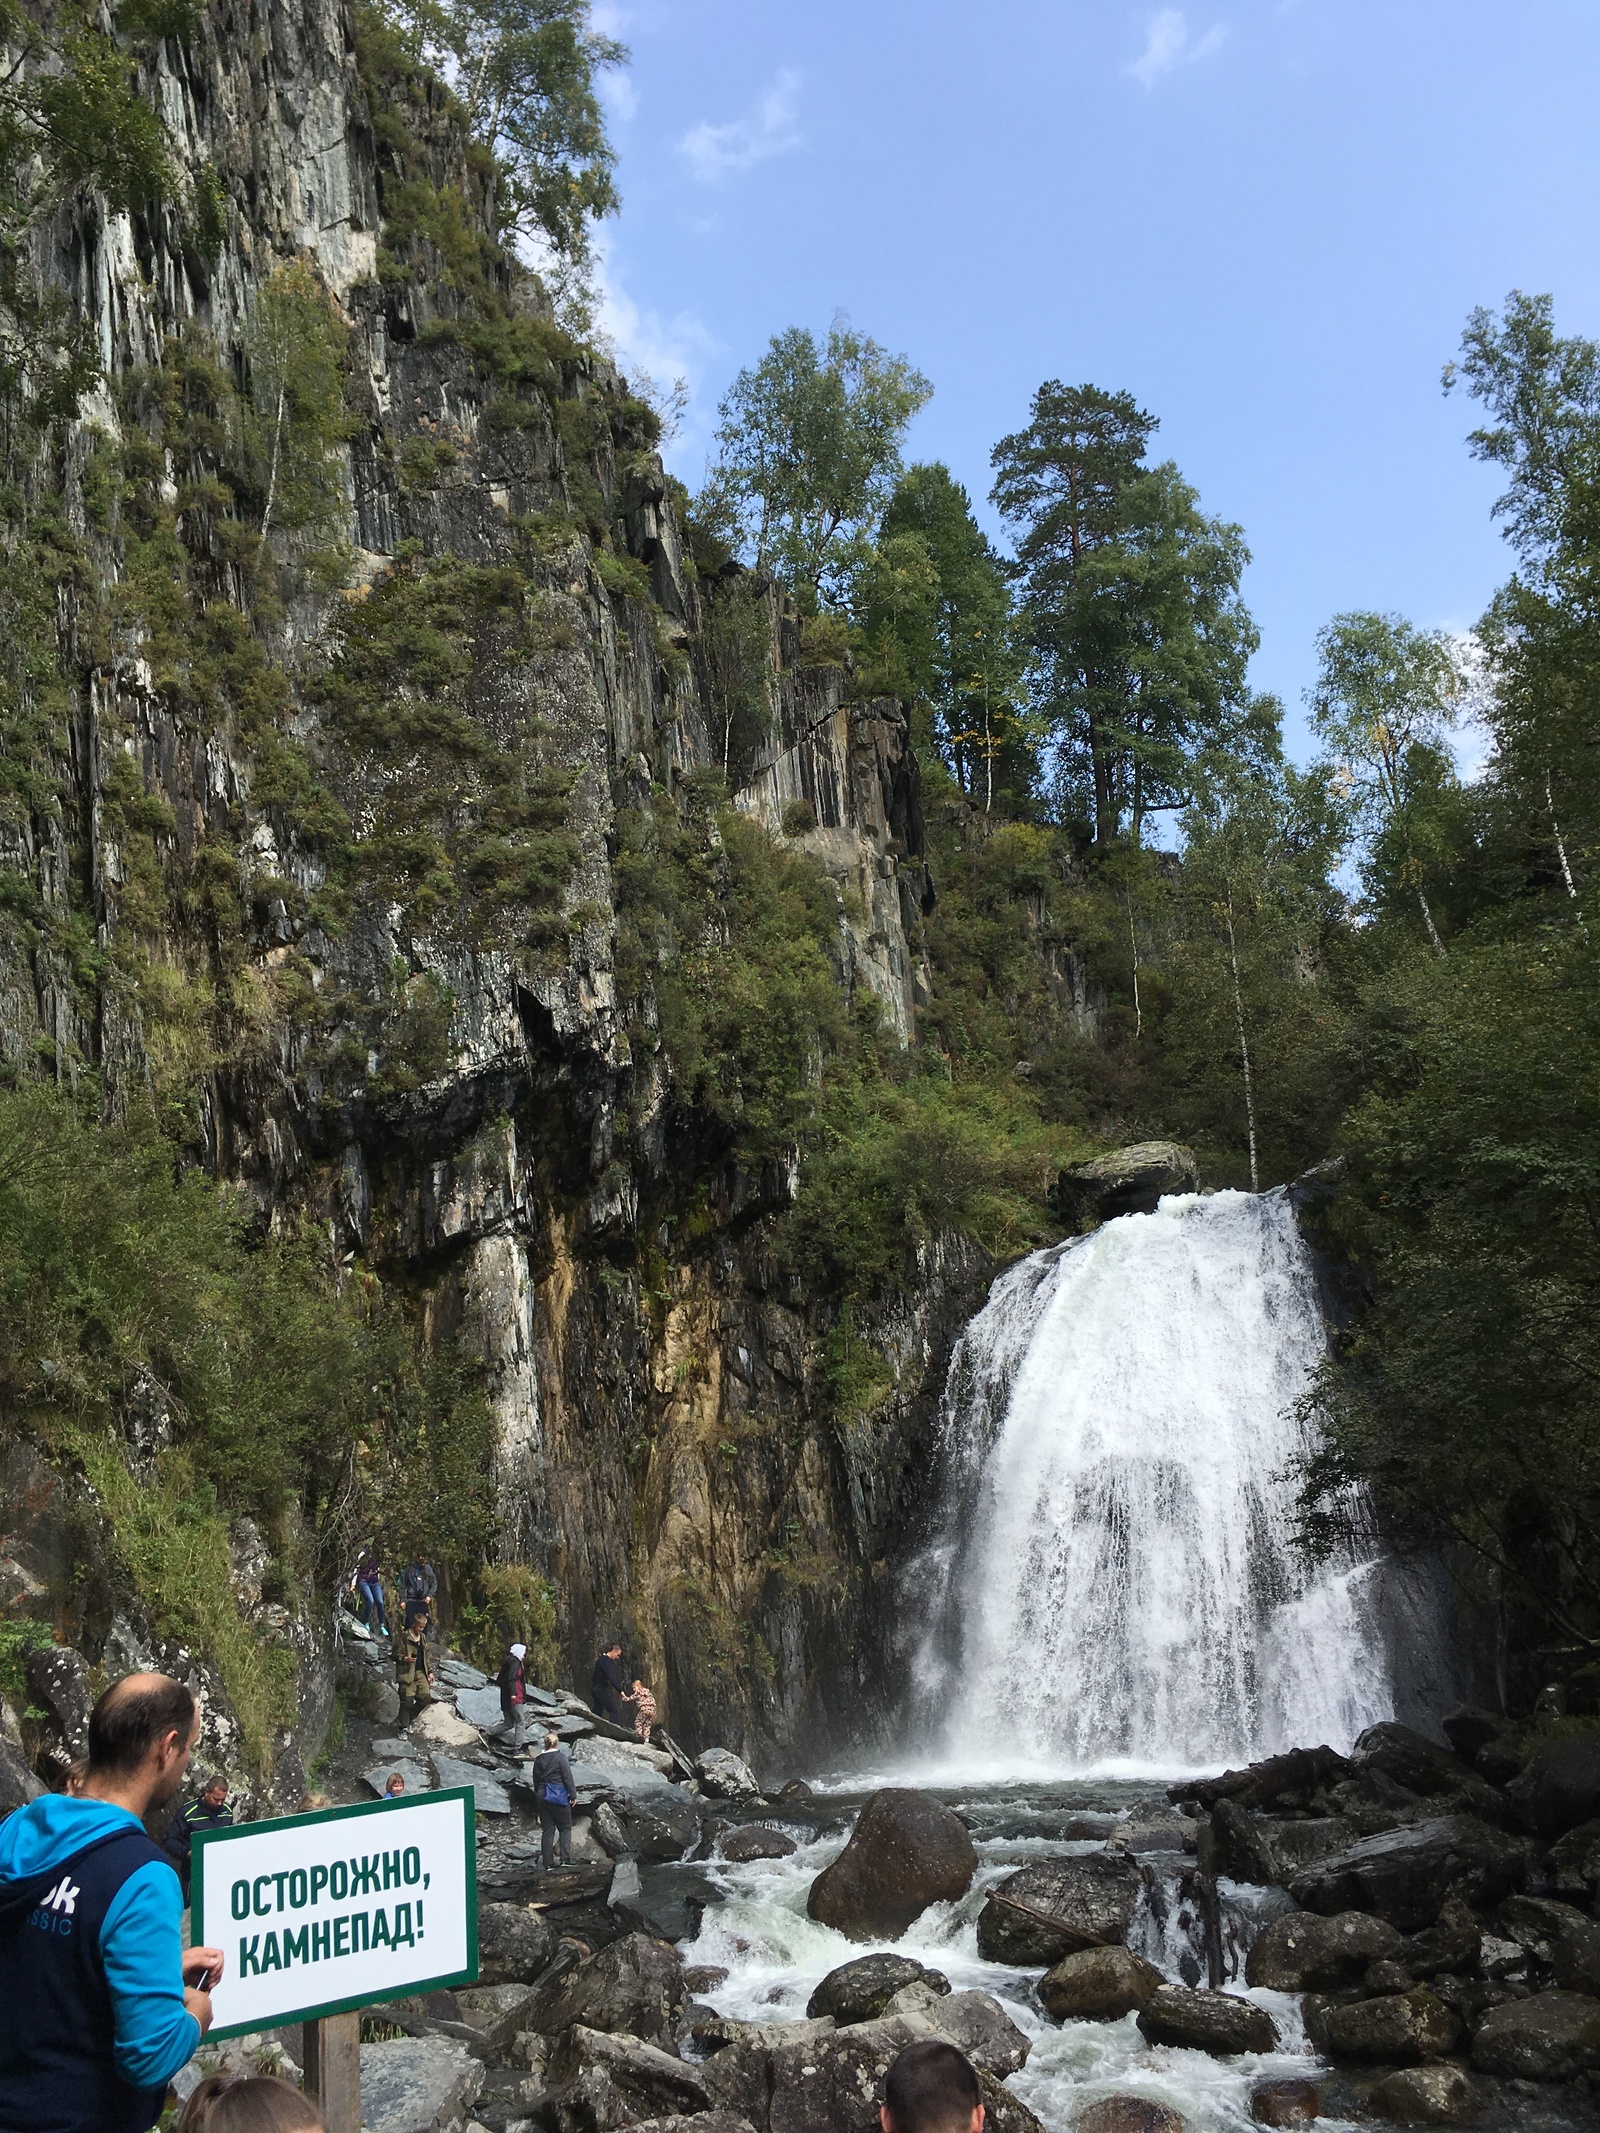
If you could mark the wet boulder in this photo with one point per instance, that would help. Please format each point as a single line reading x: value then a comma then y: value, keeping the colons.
x: 633, y: 1988
x: 514, y: 1944
x: 1216, y: 2022
x: 861, y: 1991
x: 1437, y: 2095
x: 1575, y: 1958
x: 907, y: 1851
x: 1294, y: 1779
x: 654, y: 1823
x: 1468, y: 1730
x: 1455, y: 1944
x: 755, y: 1841
x: 1271, y: 1850
x: 695, y: 2122
x: 1574, y: 1863
x: 977, y: 2024
x: 595, y: 2082
x: 1098, y: 1985
x: 1405, y: 1875
x: 1395, y: 2029
x: 832, y: 2082
x: 1130, y: 2114
x: 414, y: 2084
x: 723, y: 1776
x: 1046, y: 1910
x: 1560, y: 1788
x: 1153, y: 1826
x: 1127, y: 1181
x: 1426, y: 1768
x: 1303, y: 1952
x: 1554, y: 2036
x: 1285, y: 2103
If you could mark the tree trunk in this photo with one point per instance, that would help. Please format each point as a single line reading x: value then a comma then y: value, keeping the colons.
x: 1133, y: 941
x: 1244, y: 1050
x: 1561, y: 842
x: 1427, y: 920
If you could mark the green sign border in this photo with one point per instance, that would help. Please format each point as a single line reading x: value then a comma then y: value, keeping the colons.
x: 205, y: 1839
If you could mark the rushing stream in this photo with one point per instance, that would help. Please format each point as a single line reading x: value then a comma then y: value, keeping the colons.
x: 1114, y: 1593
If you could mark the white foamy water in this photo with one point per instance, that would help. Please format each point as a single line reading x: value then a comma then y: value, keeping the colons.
x: 1117, y: 1588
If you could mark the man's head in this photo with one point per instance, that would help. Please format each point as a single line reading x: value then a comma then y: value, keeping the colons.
x: 140, y: 1735
x: 614, y: 1649
x: 932, y: 2088
x: 215, y: 1790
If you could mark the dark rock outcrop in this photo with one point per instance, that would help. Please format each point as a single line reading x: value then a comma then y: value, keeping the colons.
x: 1560, y: 1788
x: 595, y: 2082
x: 1285, y: 2103
x: 1271, y: 1850
x: 1044, y: 1911
x: 833, y: 2083
x: 1127, y: 1181
x: 1405, y: 1875
x: 1555, y: 2036
x: 755, y: 1841
x: 907, y: 1851
x: 1395, y: 2029
x: 1437, y: 2095
x: 1097, y: 1985
x: 1216, y: 2022
x: 633, y: 1988
x: 514, y: 1944
x: 1130, y: 2114
x: 1303, y: 1951
x: 860, y: 1991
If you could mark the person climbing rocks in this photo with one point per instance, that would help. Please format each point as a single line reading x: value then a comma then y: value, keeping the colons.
x: 554, y: 1790
x: 605, y: 1684
x: 412, y: 1677
x: 513, y: 1687
x: 931, y: 2087
x: 419, y: 1584
x: 369, y: 1590
x: 103, y: 2004
x: 644, y: 1709
x: 209, y: 1810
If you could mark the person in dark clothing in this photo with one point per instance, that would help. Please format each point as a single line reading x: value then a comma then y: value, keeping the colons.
x: 209, y: 1811
x: 605, y: 1686
x: 419, y: 1587
x: 554, y: 1790
x: 102, y: 2002
x: 931, y: 2087
x: 513, y: 1696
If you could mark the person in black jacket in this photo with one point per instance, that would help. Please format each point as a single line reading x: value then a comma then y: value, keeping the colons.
x: 209, y: 1811
x: 554, y: 1790
x: 513, y: 1697
x: 605, y: 1685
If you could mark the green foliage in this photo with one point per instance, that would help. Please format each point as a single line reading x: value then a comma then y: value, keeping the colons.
x: 808, y: 449
x: 295, y: 421
x: 17, y: 1639
x: 512, y: 1605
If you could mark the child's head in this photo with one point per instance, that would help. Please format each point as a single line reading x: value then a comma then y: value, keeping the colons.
x: 395, y: 1786
x: 638, y: 1684
x: 249, y: 2103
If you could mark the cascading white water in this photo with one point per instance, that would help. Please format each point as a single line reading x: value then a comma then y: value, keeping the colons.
x: 1122, y: 1588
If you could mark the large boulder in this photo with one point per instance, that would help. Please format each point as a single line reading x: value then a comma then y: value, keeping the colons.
x: 1043, y: 1911
x: 58, y: 1682
x: 1216, y: 2022
x: 979, y: 2025
x: 723, y: 1776
x: 1437, y: 2095
x: 695, y: 2122
x: 1395, y: 2029
x: 1302, y: 1952
x: 1286, y: 2102
x: 1554, y: 2036
x: 633, y: 1988
x: 861, y: 1991
x: 418, y: 2085
x: 907, y: 1851
x: 654, y: 1822
x: 833, y: 2082
x: 1098, y: 1985
x: 1560, y: 1788
x: 1130, y: 2114
x: 595, y: 2082
x: 514, y: 1944
x: 1424, y: 1767
x: 1127, y: 1181
x: 1271, y: 1850
x: 1574, y: 1863
x: 755, y: 1840
x: 1405, y: 1875
x: 1294, y: 1779
x: 1576, y: 1958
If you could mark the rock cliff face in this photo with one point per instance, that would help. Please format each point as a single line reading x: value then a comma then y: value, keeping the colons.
x: 472, y: 1107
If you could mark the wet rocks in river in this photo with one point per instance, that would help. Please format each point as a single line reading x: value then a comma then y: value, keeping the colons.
x: 1215, y: 2022
x: 1395, y: 2029
x: 514, y: 1944
x: 1554, y: 2036
x: 831, y: 2082
x: 1098, y: 1985
x: 1440, y: 2095
x: 1301, y: 1951
x: 1575, y: 1958
x: 1271, y: 1850
x: 1560, y: 1788
x: 860, y: 1991
x: 1285, y: 2103
x: 594, y: 2082
x: 1425, y: 1768
x: 704, y: 1977
x: 1153, y: 1826
x: 635, y: 1988
x: 1129, y: 2114
x: 1046, y: 1910
x: 977, y: 2023
x: 755, y: 1840
x: 1405, y: 1875
x: 1574, y: 1863
x: 907, y: 1851
x: 414, y: 2084
x: 696, y: 2122
x: 654, y: 1824
x: 724, y: 1777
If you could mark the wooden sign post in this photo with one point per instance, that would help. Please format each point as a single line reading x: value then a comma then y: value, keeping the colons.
x: 321, y: 1915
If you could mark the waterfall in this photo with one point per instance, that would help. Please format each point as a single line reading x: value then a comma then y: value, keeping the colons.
x: 1116, y: 1587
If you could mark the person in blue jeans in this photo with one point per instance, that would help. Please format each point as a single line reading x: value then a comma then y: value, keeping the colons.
x: 102, y: 2003
x: 369, y: 1586
x: 554, y: 1790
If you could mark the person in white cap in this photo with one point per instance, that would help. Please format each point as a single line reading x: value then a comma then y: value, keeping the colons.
x: 513, y: 1695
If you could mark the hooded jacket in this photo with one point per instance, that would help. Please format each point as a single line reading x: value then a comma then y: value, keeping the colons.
x: 91, y: 1970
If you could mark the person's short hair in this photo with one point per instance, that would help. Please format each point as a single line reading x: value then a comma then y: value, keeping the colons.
x: 552, y: 1740
x: 249, y: 2103
x: 127, y: 1722
x: 932, y: 2088
x: 216, y: 1782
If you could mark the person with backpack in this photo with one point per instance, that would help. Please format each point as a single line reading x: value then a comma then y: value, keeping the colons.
x: 103, y: 2004
x: 513, y: 1695
x: 209, y: 1811
x: 554, y: 1790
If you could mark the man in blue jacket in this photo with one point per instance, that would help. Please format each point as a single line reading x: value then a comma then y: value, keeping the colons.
x: 102, y: 2006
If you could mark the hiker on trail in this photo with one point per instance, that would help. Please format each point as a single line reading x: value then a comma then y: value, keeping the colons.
x: 554, y: 1790
x: 412, y: 1677
x: 208, y: 1811
x: 513, y: 1695
x: 419, y: 1585
x: 644, y: 1709
x: 931, y: 2087
x: 369, y: 1587
x: 605, y: 1685
x: 103, y: 2004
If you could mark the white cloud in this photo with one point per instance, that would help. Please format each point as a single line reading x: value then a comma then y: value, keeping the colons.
x: 1168, y: 45
x: 770, y: 130
x: 647, y: 346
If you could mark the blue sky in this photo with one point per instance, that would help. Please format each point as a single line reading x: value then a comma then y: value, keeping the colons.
x: 1268, y: 219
